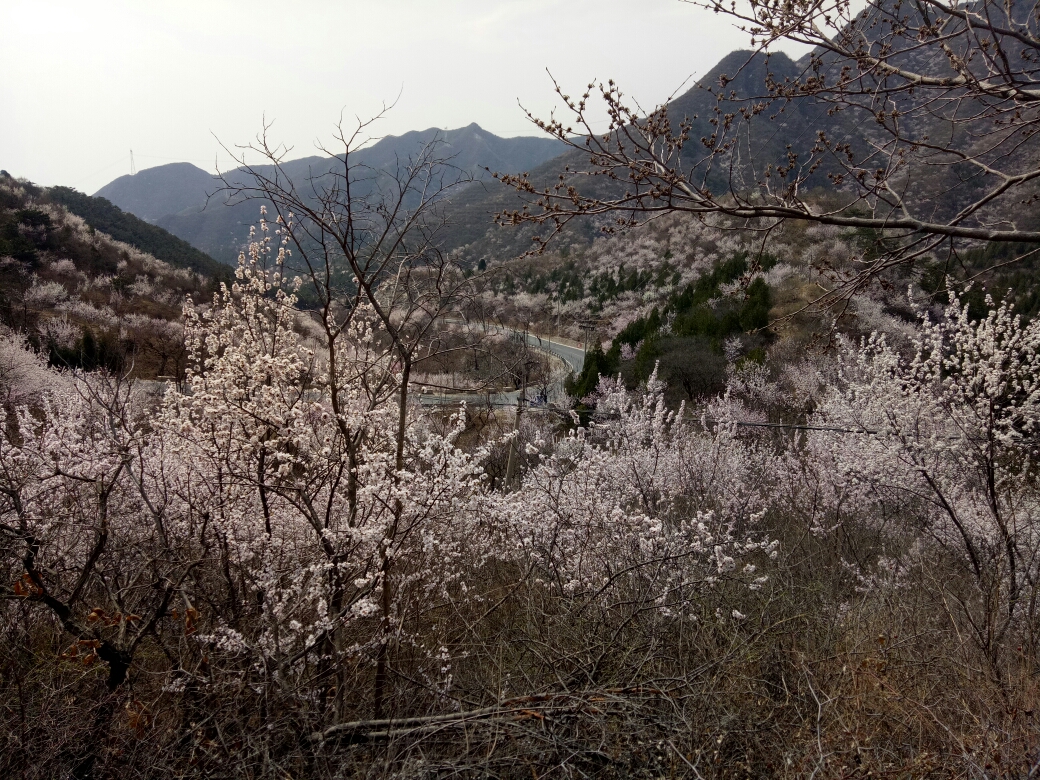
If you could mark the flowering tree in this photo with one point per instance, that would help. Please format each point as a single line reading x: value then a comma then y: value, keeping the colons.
x: 319, y: 479
x: 946, y: 438
x: 271, y: 516
x: 365, y: 242
x: 641, y: 506
x: 92, y: 531
x: 211, y: 576
x: 920, y: 118
x: 23, y: 373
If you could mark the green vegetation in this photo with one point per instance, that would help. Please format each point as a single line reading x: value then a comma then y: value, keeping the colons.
x: 696, y: 316
x: 23, y: 232
x: 574, y: 282
x: 102, y: 215
x: 596, y: 364
x: 1000, y: 268
x: 90, y: 353
x: 689, y: 354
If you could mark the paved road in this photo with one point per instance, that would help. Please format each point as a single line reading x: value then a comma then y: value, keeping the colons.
x: 574, y: 357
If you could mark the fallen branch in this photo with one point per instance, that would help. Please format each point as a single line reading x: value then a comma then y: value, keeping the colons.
x: 519, y: 709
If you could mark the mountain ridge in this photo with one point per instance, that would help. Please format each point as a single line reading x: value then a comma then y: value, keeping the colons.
x: 787, y: 131
x: 472, y: 209
x: 177, y: 196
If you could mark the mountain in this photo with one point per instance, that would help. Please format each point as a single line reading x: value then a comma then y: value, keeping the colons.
x: 221, y: 230
x: 176, y: 196
x: 763, y: 129
x: 472, y: 210
x: 469, y: 148
x: 156, y: 192
x: 766, y: 130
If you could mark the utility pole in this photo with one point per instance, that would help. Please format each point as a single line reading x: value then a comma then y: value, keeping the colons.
x: 587, y: 327
x: 559, y: 304
x: 133, y: 168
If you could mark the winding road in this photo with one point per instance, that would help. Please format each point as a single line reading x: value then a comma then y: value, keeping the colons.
x: 574, y: 357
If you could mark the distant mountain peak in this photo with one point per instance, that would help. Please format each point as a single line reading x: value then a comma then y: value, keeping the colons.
x: 164, y: 189
x: 175, y: 195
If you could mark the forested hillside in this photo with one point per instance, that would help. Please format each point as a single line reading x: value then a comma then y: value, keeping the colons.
x: 85, y: 299
x: 122, y: 226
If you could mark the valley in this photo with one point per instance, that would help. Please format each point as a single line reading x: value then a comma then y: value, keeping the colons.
x: 697, y: 440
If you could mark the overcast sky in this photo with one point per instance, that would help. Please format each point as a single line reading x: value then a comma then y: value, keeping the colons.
x: 86, y: 81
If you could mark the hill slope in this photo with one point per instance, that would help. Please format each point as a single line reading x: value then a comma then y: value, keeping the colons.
x: 472, y: 210
x: 156, y: 192
x: 83, y: 298
x: 102, y: 215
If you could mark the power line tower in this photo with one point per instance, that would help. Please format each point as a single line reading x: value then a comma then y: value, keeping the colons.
x: 133, y: 168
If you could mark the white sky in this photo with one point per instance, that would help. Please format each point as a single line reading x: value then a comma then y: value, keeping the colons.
x: 85, y: 81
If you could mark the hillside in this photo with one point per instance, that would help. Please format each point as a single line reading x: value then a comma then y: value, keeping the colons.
x: 755, y: 112
x: 83, y: 298
x: 102, y: 215
x: 156, y: 192
x: 176, y: 196
x: 472, y: 211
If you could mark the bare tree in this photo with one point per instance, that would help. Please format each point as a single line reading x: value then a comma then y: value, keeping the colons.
x: 919, y: 125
